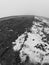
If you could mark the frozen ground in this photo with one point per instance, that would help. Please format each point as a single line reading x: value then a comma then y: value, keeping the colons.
x: 29, y: 37
x: 35, y: 42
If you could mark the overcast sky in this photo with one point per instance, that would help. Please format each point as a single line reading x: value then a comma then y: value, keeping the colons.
x: 24, y: 7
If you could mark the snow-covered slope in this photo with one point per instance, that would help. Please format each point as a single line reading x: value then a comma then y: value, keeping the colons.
x: 34, y: 43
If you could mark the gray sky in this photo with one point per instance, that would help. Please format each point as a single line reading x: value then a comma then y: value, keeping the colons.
x: 24, y: 7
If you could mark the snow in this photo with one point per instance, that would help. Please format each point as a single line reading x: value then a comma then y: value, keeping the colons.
x: 29, y: 49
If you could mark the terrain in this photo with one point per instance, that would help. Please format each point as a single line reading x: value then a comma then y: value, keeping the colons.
x: 24, y: 40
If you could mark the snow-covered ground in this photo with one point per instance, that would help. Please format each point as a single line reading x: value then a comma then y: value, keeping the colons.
x: 31, y: 44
